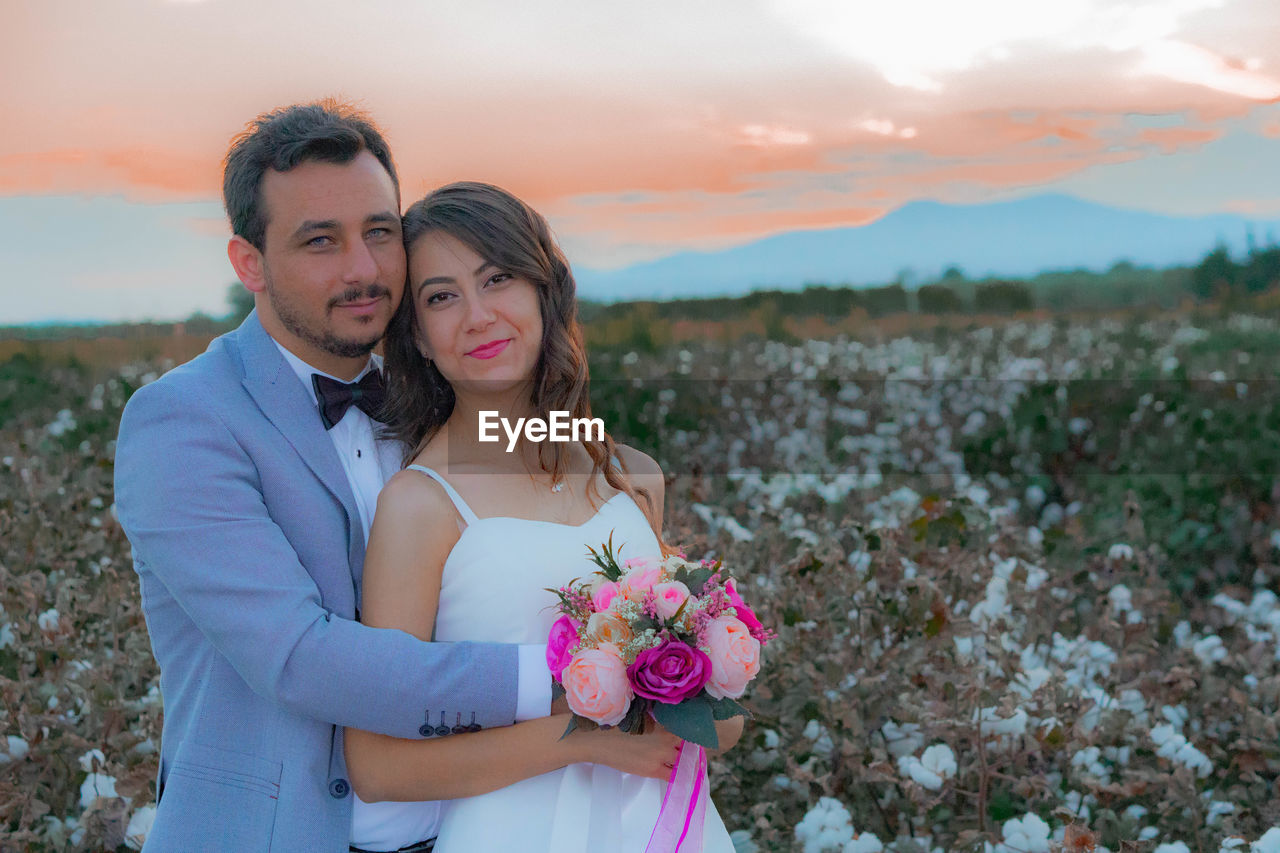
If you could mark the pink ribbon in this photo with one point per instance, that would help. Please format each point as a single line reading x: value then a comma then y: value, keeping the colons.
x: 684, y: 805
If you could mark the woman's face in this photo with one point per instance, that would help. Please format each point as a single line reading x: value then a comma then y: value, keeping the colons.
x: 481, y: 325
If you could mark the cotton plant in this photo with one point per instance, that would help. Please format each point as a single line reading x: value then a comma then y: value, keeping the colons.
x: 936, y: 765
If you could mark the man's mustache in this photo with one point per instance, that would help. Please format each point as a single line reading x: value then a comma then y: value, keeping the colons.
x: 359, y: 294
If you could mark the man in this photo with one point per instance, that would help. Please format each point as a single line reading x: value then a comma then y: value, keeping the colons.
x: 246, y: 481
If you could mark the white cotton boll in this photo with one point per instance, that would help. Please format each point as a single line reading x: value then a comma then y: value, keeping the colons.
x: 1120, y: 551
x: 1177, y: 715
x: 1268, y: 843
x: 939, y: 759
x: 96, y: 785
x: 1182, y: 634
x: 48, y: 621
x: 860, y: 561
x: 1036, y: 578
x: 135, y: 834
x: 1088, y: 760
x: 782, y: 782
x: 1135, y: 812
x: 1029, y: 681
x: 771, y: 739
x: 1172, y: 847
x: 1231, y: 844
x: 902, y: 739
x: 92, y: 760
x: 1229, y: 604
x: 1210, y: 650
x: 821, y: 738
x: 1029, y: 834
x: 1035, y: 537
x: 16, y: 750
x: 1121, y: 598
x: 1173, y: 746
x: 1216, y: 809
x: 910, y: 767
x: 964, y: 647
x: 825, y: 827
x: 1034, y: 496
x: 7, y: 638
x: 993, y: 724
x: 1078, y: 804
x: 866, y: 842
x: 1134, y: 617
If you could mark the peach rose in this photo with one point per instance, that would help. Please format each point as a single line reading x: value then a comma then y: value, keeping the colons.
x: 608, y: 627
x: 735, y: 657
x: 596, y: 685
x: 668, y: 596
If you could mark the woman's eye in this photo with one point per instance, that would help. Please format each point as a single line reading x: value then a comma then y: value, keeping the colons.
x: 437, y: 297
x: 498, y: 278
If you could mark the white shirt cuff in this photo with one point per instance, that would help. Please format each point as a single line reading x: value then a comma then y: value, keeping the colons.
x: 533, y: 693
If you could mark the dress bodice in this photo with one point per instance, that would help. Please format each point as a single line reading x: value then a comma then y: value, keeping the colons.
x: 498, y: 585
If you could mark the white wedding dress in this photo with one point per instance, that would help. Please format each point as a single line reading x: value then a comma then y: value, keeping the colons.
x: 494, y: 589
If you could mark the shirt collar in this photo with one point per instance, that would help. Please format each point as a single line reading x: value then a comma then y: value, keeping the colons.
x: 304, y: 370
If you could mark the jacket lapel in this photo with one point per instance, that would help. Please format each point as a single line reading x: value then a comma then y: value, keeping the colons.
x: 283, y: 399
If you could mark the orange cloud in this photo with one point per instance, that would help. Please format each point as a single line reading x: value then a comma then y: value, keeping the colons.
x: 1171, y: 139
x: 147, y: 174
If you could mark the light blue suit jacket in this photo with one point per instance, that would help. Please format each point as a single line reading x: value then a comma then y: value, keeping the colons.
x: 249, y: 550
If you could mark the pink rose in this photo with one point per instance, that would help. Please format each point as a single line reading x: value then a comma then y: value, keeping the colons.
x: 735, y: 657
x: 639, y: 579
x: 745, y: 613
x: 670, y: 673
x: 668, y: 596
x: 561, y: 641
x: 596, y: 685
x: 603, y: 594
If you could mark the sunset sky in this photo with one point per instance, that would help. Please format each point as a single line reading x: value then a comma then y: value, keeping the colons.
x: 640, y: 129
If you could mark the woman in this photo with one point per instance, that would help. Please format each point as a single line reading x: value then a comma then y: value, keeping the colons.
x: 468, y: 538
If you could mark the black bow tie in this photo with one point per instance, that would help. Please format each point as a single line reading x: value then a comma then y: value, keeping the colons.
x: 336, y: 397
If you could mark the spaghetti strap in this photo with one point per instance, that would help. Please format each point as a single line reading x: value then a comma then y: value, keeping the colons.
x: 463, y: 510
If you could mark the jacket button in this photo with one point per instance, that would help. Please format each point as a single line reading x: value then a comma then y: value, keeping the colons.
x: 426, y: 730
x: 339, y: 788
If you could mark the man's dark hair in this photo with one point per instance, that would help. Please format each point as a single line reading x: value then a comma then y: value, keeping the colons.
x: 328, y: 130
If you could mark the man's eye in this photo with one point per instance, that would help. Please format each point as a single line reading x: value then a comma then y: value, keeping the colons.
x: 320, y: 242
x: 379, y: 233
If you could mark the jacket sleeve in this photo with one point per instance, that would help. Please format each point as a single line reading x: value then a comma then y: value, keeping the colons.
x: 190, y: 502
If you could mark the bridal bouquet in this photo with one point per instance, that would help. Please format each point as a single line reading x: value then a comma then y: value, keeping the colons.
x: 654, y: 636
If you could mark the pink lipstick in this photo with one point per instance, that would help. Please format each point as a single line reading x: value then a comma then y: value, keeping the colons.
x: 489, y: 350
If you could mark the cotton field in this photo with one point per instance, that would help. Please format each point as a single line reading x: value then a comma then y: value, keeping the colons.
x: 1024, y: 580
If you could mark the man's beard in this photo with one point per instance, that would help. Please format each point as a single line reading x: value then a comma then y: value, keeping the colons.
x: 325, y: 339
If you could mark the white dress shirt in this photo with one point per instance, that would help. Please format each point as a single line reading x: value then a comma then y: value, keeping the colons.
x: 369, y: 462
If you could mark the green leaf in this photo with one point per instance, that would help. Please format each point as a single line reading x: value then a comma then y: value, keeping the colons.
x: 575, y: 723
x: 723, y: 709
x: 697, y: 579
x: 633, y: 722
x: 812, y: 566
x: 691, y: 720
x: 557, y: 690
x: 606, y: 560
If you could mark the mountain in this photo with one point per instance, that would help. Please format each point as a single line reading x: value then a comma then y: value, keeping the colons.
x: 1013, y: 238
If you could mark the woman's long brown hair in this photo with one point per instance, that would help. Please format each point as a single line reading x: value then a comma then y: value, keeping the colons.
x: 516, y: 239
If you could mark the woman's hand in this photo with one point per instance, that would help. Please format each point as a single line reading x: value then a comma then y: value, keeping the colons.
x: 651, y: 754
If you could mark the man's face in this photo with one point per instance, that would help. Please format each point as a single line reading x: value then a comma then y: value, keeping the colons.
x: 333, y: 260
